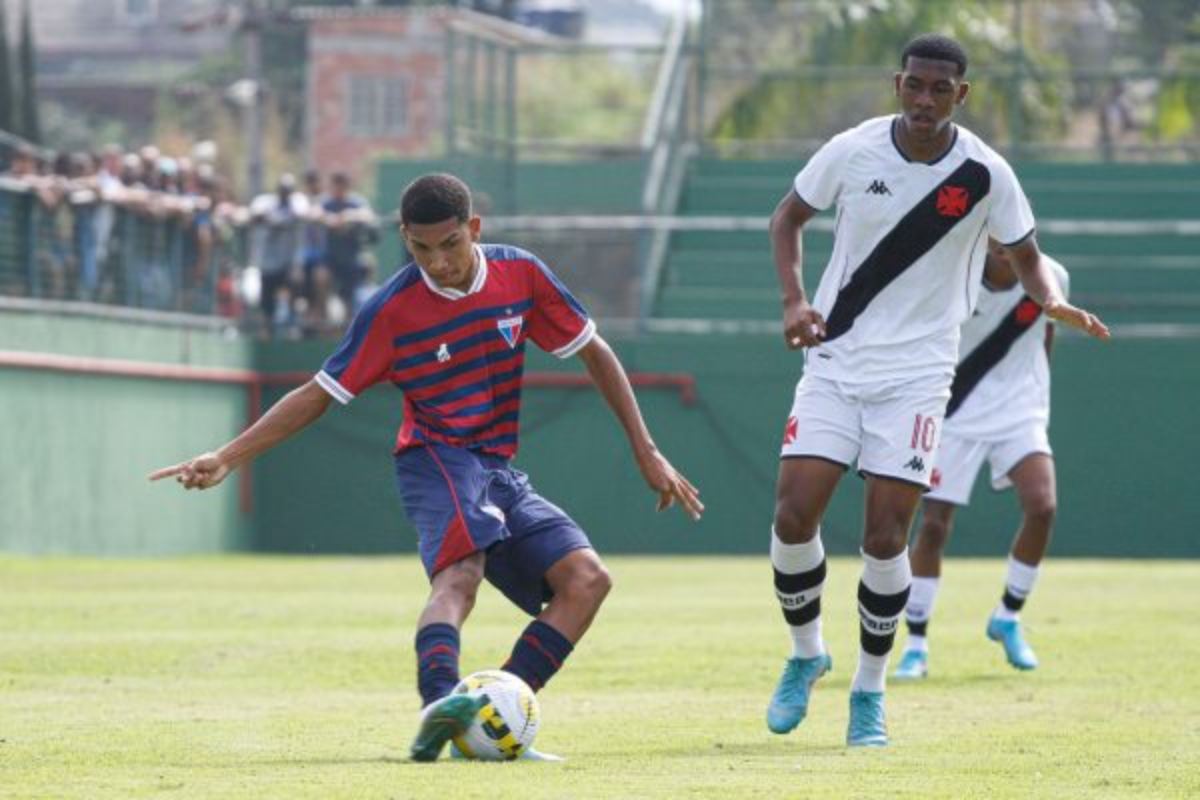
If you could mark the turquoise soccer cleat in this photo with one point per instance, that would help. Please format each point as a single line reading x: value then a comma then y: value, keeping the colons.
x: 1008, y: 633
x: 789, y: 704
x: 441, y: 721
x: 913, y: 666
x: 868, y: 724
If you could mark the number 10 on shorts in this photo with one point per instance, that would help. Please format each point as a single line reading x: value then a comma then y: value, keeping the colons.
x: 924, y: 433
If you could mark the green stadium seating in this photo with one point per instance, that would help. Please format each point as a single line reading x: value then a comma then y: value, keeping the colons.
x: 1137, y: 277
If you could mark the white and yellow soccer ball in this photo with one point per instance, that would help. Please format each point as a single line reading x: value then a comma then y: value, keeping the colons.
x: 505, y: 725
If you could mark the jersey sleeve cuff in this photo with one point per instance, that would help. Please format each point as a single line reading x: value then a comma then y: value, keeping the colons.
x: 335, y: 389
x: 577, y: 344
x: 1019, y: 239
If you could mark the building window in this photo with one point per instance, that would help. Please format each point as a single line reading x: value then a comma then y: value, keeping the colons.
x: 378, y: 106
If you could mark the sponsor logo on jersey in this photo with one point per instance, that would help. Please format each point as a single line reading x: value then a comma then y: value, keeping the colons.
x: 878, y: 187
x: 952, y: 201
x: 935, y: 478
x: 510, y: 329
x: 915, y: 463
x: 443, y: 353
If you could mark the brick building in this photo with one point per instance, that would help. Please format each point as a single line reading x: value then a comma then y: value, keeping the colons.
x: 376, y: 86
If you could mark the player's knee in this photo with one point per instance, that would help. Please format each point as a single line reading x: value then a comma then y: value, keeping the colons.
x: 590, y: 584
x: 934, y: 533
x: 598, y: 583
x: 792, y: 526
x: 886, y: 542
x: 1041, y: 508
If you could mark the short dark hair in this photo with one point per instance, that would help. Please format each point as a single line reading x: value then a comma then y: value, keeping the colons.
x: 936, y: 47
x: 434, y: 198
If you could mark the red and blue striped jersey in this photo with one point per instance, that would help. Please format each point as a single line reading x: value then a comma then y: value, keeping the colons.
x: 458, y: 356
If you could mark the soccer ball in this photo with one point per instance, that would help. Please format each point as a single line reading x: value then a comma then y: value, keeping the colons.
x: 506, y: 724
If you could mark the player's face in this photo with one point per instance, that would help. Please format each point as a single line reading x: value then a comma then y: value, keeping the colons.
x: 445, y: 251
x: 929, y: 91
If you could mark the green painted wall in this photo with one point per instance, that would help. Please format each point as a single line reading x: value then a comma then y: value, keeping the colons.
x: 75, y: 450
x: 1123, y: 428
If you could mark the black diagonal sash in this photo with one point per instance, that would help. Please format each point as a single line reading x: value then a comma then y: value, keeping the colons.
x: 992, y: 350
x: 914, y: 235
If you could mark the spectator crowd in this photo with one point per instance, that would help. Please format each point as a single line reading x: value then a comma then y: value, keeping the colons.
x: 156, y: 231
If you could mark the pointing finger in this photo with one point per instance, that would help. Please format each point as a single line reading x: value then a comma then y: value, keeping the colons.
x: 166, y: 472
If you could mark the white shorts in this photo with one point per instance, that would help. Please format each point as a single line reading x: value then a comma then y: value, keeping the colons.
x: 891, y: 428
x: 959, y: 459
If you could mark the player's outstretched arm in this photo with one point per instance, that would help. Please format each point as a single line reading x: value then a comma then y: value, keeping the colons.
x: 1039, y: 284
x: 610, y: 378
x: 295, y: 411
x: 803, y: 325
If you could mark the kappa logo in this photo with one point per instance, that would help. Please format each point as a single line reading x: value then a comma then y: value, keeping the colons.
x: 952, y: 201
x: 878, y: 187
x: 443, y: 353
x: 510, y: 329
x: 916, y: 464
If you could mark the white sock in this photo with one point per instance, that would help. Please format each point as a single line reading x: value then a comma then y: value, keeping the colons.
x: 871, y: 675
x: 797, y: 559
x: 919, y: 609
x: 889, y: 581
x: 1019, y: 583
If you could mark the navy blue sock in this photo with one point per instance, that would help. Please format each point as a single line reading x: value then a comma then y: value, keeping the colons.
x: 538, y: 654
x: 437, y: 661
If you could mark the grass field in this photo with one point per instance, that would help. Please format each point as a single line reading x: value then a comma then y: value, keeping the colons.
x: 293, y: 678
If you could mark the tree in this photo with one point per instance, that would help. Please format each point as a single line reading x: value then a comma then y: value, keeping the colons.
x: 6, y: 89
x: 30, y: 124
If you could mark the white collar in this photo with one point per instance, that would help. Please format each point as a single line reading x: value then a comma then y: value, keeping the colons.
x: 455, y: 294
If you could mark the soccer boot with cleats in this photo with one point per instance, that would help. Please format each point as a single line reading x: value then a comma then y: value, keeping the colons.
x: 1008, y: 633
x: 441, y: 721
x: 789, y: 704
x: 913, y: 666
x: 868, y: 723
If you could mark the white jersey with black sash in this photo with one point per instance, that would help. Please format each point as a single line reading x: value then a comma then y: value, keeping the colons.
x: 909, y: 245
x: 1003, y: 377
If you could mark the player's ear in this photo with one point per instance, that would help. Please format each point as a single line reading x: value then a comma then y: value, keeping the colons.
x: 896, y: 82
x: 963, y: 88
x: 474, y: 225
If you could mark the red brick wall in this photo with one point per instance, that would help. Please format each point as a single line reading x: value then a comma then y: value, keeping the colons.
x: 401, y: 43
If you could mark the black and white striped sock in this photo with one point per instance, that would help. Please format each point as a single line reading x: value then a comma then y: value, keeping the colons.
x: 882, y: 594
x: 1017, y: 586
x: 918, y: 611
x: 799, y: 578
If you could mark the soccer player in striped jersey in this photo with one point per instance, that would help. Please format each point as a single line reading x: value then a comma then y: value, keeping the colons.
x: 917, y: 198
x: 999, y: 410
x: 450, y: 330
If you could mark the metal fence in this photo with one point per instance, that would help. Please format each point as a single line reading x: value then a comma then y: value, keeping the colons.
x: 101, y: 253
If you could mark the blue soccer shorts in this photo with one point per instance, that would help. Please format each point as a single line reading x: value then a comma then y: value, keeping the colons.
x: 462, y: 502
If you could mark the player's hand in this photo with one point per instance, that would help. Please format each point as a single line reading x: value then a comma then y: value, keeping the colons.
x: 202, y: 472
x: 670, y: 484
x: 1078, y: 318
x: 803, y: 325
